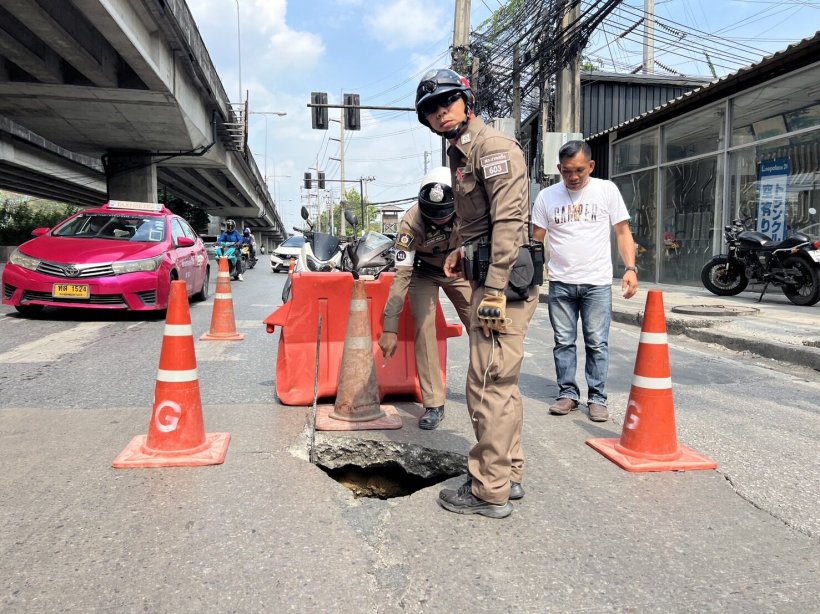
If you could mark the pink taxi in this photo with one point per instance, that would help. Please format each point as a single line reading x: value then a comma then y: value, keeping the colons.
x: 122, y: 255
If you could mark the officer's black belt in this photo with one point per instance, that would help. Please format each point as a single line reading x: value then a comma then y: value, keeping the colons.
x: 422, y: 266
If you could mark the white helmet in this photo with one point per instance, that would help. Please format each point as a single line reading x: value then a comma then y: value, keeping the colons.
x: 436, y: 199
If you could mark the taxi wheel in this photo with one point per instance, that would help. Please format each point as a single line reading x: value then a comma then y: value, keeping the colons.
x: 28, y: 310
x: 202, y: 295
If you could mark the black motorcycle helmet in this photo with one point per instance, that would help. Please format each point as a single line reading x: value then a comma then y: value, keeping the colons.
x: 230, y: 225
x: 436, y: 200
x: 438, y: 83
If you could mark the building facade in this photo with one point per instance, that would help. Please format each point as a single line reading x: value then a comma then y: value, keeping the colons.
x: 745, y: 146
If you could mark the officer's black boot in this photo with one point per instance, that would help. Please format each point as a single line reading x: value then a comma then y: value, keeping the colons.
x: 431, y: 418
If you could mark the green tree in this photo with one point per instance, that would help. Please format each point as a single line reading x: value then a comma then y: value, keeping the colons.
x: 192, y: 214
x: 354, y: 205
x: 20, y: 215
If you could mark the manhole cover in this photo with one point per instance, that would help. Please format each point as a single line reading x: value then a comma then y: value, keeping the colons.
x: 714, y: 310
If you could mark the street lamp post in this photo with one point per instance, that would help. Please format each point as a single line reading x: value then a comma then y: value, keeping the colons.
x: 239, y: 50
x: 266, y: 113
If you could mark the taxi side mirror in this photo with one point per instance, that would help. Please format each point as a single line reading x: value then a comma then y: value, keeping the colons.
x: 185, y: 242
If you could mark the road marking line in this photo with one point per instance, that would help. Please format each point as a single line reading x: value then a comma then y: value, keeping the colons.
x: 56, y: 345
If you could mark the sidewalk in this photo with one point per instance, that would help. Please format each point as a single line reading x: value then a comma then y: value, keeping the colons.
x: 773, y: 328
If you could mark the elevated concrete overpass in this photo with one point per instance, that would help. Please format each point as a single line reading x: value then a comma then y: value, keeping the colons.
x: 117, y: 98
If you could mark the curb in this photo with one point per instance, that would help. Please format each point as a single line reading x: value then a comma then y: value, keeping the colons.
x: 705, y: 330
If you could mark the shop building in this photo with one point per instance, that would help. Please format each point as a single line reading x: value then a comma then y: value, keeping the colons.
x: 744, y: 146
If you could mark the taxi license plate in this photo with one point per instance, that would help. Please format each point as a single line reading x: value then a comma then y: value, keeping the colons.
x: 815, y: 255
x: 71, y: 291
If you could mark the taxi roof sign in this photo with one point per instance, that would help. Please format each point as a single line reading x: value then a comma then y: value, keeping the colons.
x: 134, y: 206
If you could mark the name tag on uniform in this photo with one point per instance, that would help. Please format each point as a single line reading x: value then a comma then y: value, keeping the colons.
x: 495, y: 165
x: 435, y: 239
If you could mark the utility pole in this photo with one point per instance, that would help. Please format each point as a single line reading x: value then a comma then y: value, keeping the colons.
x: 516, y: 101
x: 461, y: 47
x: 649, y: 36
x: 461, y: 36
x: 342, y: 166
x: 568, y: 84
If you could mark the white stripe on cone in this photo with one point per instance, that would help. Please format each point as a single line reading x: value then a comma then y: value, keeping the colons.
x: 654, y: 338
x: 222, y: 295
x: 179, y: 330
x: 359, y: 343
x: 652, y: 383
x: 177, y: 376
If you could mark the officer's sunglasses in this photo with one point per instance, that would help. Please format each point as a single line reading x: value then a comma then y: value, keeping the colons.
x: 428, y: 107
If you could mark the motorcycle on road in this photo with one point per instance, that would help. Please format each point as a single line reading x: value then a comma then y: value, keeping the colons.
x: 231, y: 252
x: 248, y: 261
x: 792, y: 264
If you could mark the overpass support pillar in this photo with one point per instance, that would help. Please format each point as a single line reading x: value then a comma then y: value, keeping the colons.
x: 131, y: 176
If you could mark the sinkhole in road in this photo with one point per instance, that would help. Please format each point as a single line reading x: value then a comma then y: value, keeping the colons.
x: 386, y: 469
x: 382, y: 482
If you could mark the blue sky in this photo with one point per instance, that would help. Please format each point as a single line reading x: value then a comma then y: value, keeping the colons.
x: 380, y: 49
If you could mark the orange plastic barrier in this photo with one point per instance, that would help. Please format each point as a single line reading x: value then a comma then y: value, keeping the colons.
x: 328, y: 295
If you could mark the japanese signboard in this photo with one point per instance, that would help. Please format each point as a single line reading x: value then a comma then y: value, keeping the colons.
x: 771, y: 208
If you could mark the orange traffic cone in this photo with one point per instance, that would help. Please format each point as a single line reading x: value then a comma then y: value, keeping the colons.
x: 649, y: 439
x: 223, y: 325
x: 357, y: 405
x: 176, y: 433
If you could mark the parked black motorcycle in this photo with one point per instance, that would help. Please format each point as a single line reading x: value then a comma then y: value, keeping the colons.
x: 792, y: 264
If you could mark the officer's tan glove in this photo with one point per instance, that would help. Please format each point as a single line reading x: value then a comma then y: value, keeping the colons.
x: 492, y: 312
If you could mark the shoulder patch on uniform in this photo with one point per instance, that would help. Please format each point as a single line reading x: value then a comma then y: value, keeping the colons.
x: 495, y: 164
x: 405, y: 240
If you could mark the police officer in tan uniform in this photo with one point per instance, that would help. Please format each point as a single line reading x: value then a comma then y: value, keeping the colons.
x: 422, y: 244
x: 492, y: 211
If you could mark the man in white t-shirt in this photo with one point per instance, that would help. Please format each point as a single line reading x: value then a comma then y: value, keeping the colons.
x: 578, y: 213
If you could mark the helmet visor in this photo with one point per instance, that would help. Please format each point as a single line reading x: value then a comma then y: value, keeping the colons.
x: 431, y: 105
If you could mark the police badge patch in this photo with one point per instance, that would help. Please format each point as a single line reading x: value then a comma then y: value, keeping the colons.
x: 495, y: 164
x: 405, y: 240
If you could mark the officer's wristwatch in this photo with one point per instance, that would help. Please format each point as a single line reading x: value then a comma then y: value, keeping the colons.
x: 630, y: 268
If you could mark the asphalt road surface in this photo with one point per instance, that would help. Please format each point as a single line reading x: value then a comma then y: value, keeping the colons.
x: 268, y: 532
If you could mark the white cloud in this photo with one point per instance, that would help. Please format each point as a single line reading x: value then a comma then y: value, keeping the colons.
x: 407, y: 23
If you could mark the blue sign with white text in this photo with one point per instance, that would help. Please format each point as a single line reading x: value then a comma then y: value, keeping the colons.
x: 771, y: 208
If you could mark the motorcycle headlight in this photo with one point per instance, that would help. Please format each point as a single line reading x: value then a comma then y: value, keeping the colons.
x: 20, y: 259
x: 136, y: 266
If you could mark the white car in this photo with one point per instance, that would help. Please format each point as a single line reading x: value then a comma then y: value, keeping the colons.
x: 289, y: 248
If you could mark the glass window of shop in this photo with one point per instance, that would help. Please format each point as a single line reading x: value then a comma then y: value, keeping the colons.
x: 774, y: 186
x: 695, y: 134
x: 774, y: 183
x: 636, y: 153
x: 780, y: 107
x: 640, y: 195
x: 691, y: 200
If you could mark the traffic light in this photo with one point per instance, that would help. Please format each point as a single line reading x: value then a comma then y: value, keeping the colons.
x: 318, y: 115
x: 353, y: 120
x: 321, y: 180
x: 308, y: 181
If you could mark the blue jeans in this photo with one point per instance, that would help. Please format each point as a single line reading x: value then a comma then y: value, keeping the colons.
x: 594, y: 305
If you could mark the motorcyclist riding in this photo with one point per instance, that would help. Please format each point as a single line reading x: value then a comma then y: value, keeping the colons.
x: 231, y: 235
x: 248, y: 239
